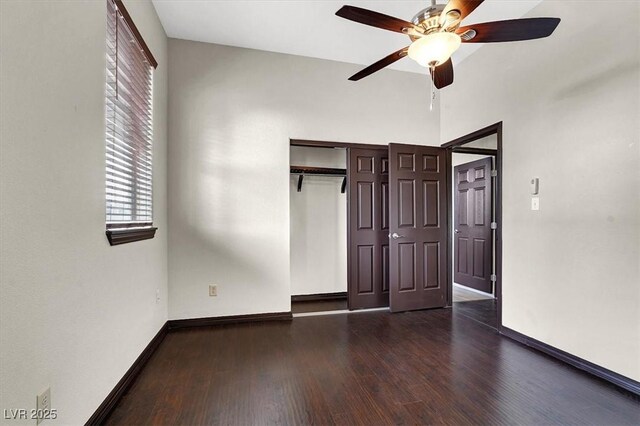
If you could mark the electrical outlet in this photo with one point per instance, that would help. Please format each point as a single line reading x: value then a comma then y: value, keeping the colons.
x: 213, y: 290
x: 43, y: 404
x: 157, y: 296
x: 535, y: 203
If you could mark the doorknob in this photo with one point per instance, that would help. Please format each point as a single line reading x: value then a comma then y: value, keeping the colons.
x: 456, y: 231
x: 395, y: 236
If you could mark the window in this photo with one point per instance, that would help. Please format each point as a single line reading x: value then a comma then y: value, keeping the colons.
x: 129, y: 130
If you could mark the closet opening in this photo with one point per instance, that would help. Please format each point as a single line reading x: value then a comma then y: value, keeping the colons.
x: 318, y: 229
x: 378, y: 237
x: 323, y: 226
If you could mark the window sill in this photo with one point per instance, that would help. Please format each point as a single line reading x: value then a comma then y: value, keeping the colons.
x: 123, y: 236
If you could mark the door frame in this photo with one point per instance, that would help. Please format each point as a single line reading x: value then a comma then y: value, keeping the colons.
x: 468, y: 278
x: 457, y: 145
x: 346, y: 145
x: 329, y: 144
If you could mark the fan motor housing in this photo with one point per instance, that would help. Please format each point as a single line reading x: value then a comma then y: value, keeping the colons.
x: 429, y: 19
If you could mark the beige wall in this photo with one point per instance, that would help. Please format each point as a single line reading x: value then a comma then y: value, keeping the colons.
x: 570, y: 106
x: 318, y: 224
x: 75, y: 312
x: 231, y: 115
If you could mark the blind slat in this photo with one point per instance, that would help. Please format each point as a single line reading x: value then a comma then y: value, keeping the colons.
x: 133, y: 143
x: 129, y: 125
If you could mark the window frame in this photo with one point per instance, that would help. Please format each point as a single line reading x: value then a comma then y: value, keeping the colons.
x: 127, y: 232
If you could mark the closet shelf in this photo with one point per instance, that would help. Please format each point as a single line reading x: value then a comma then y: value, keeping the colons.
x: 327, y: 171
x: 319, y: 171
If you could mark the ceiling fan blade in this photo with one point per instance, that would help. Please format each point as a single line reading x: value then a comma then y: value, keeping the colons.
x: 443, y: 75
x: 386, y: 61
x: 465, y: 7
x: 511, y: 30
x: 375, y: 19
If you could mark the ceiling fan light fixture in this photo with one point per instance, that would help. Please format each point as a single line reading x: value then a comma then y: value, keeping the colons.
x: 435, y: 48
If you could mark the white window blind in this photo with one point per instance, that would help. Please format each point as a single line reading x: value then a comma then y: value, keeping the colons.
x: 129, y: 127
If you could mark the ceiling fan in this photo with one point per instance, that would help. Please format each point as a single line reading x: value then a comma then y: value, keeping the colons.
x: 435, y: 34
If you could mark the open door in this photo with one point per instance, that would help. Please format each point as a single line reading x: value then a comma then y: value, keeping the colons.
x: 418, y: 252
x: 368, y: 228
x: 472, y: 239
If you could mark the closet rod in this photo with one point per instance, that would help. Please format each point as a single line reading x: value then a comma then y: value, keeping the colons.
x: 319, y: 171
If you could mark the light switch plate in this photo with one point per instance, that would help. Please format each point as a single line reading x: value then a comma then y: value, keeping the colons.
x: 535, y: 203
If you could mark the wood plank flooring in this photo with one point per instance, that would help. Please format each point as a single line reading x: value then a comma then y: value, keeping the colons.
x: 462, y: 294
x: 375, y: 368
x: 482, y: 311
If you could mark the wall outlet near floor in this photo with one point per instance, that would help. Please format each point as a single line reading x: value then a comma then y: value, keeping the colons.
x: 43, y: 405
x: 213, y: 290
x: 535, y: 203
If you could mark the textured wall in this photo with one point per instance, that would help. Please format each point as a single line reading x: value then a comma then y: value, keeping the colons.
x: 75, y: 312
x: 570, y: 106
x: 231, y: 115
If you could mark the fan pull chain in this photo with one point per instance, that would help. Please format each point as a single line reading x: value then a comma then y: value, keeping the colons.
x: 433, y: 98
x: 432, y: 89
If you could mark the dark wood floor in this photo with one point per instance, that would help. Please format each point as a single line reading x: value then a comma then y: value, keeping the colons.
x: 427, y: 367
x: 482, y: 311
x: 466, y: 294
x: 319, y: 306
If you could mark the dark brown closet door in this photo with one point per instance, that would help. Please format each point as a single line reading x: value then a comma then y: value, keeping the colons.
x: 472, y: 221
x: 418, y: 227
x: 368, y: 225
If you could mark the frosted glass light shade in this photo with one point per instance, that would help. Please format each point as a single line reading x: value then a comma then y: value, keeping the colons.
x: 434, y: 49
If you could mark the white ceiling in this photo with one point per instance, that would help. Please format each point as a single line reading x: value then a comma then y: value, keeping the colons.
x: 310, y: 27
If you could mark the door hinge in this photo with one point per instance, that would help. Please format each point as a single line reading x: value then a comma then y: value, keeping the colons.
x: 494, y: 173
x: 494, y: 225
x: 494, y: 278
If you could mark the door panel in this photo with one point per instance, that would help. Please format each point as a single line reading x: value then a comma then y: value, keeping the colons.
x: 385, y: 268
x: 430, y: 198
x: 407, y: 263
x: 365, y: 205
x: 407, y: 202
x: 431, y: 264
x: 418, y: 253
x: 462, y: 250
x: 385, y: 205
x: 365, y: 269
x: 472, y: 235
x: 368, y: 200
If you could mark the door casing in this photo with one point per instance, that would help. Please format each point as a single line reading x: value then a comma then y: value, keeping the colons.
x: 476, y: 176
x: 348, y: 145
x: 457, y: 145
